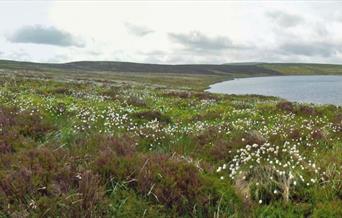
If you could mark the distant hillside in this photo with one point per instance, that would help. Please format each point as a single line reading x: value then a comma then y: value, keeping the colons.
x: 303, y: 68
x: 244, y: 69
x: 107, y: 66
x: 191, y: 76
x: 296, y: 68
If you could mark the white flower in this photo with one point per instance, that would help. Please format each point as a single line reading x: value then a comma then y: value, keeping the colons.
x: 260, y: 201
x: 78, y: 176
x: 32, y: 204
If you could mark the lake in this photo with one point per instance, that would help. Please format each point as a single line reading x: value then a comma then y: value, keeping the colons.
x: 308, y: 89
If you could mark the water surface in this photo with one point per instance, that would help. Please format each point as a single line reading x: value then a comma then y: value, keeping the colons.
x: 308, y: 89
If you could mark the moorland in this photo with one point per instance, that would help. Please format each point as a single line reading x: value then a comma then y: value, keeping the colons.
x: 113, y: 139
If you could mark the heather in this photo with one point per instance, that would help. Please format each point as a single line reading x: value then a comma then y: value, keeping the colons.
x: 72, y: 149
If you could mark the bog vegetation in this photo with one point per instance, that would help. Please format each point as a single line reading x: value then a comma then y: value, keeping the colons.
x: 85, y: 150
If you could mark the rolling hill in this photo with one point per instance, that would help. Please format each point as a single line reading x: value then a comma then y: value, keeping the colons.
x: 195, y: 76
x: 109, y: 66
x: 251, y: 68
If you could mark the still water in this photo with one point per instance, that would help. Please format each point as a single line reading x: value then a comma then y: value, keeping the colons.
x: 309, y: 89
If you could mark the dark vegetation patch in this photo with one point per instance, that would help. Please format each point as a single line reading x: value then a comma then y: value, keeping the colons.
x: 135, y: 101
x: 254, y: 137
x: 152, y: 115
x: 112, y: 92
x: 188, y: 94
x: 337, y: 122
x: 20, y: 128
x: 162, y: 179
x: 286, y: 106
x: 223, y: 149
x: 71, y: 182
x: 305, y: 110
x: 208, y: 115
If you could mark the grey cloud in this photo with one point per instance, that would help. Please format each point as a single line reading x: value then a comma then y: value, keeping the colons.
x: 138, y: 30
x: 198, y: 41
x: 322, y: 49
x: 321, y: 30
x: 44, y: 35
x: 284, y: 19
x: 288, y: 51
x: 152, y: 53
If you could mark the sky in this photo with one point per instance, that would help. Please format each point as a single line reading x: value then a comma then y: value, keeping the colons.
x: 171, y: 32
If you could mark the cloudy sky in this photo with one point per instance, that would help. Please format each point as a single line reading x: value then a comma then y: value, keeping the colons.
x: 173, y: 32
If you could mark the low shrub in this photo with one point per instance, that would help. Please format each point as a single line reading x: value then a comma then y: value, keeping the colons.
x: 307, y: 110
x: 5, y: 147
x: 31, y: 124
x: 48, y: 183
x: 178, y: 94
x: 254, y: 137
x: 60, y: 91
x: 163, y: 180
x: 337, y: 122
x: 112, y: 93
x: 319, y: 134
x: 135, y: 101
x: 286, y: 106
x: 152, y: 115
x: 223, y: 149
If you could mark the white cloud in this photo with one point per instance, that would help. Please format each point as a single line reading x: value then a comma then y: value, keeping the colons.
x: 179, y: 31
